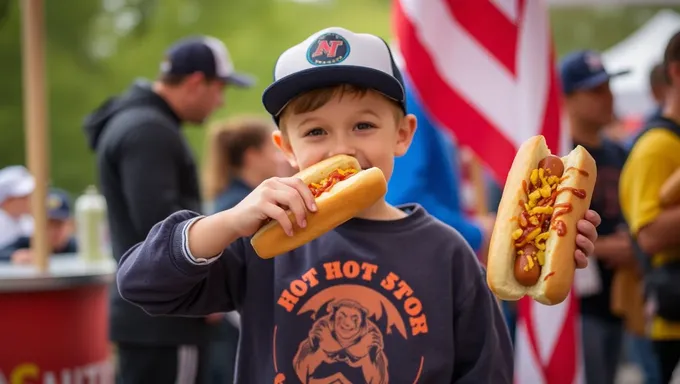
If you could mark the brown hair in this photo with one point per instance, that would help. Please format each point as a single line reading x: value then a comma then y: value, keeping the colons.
x: 657, y: 75
x: 226, y: 145
x: 173, y: 80
x: 317, y: 98
x: 671, y: 54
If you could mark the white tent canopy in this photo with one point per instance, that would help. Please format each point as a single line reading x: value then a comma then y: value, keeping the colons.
x: 639, y: 52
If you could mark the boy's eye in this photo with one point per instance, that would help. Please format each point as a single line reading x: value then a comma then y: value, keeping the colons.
x: 315, y: 132
x: 364, y: 125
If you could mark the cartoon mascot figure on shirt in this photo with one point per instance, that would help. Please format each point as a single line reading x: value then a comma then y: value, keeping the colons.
x: 344, y: 335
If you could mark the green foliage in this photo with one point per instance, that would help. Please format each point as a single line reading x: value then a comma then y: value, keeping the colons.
x: 597, y: 28
x: 130, y: 36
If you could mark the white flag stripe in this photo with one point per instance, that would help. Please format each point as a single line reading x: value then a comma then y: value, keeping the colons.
x: 526, y: 369
x: 533, y: 66
x: 509, y: 8
x: 548, y: 324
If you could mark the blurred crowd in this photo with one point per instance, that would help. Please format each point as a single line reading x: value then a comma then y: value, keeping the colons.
x: 147, y: 171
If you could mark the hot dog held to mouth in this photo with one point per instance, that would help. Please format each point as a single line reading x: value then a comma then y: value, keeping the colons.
x: 534, y: 237
x: 341, y: 190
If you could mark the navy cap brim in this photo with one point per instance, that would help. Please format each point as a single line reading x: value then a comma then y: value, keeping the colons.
x: 281, y: 92
x: 598, y: 80
x: 241, y: 80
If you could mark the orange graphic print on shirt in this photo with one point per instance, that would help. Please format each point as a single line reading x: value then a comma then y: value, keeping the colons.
x: 350, y: 325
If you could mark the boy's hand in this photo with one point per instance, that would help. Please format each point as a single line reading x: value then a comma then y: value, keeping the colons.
x: 22, y: 256
x: 586, y: 237
x: 270, y: 201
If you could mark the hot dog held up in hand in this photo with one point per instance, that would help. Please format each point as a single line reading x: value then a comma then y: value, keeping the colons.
x: 533, y: 242
x: 341, y: 190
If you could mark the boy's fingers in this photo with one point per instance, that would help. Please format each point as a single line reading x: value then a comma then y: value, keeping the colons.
x: 584, y: 244
x: 587, y: 229
x: 581, y: 259
x: 303, y: 190
x: 593, y: 217
x: 277, y: 213
x: 290, y: 198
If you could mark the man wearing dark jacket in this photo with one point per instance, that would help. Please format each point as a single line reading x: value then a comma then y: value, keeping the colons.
x: 147, y: 171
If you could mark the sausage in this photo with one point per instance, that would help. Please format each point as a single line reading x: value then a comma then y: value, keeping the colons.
x: 527, y: 269
x: 553, y: 165
x: 527, y: 272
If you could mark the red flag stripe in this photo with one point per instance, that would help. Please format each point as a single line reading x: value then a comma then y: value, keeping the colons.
x: 446, y: 105
x: 562, y: 367
x: 487, y: 29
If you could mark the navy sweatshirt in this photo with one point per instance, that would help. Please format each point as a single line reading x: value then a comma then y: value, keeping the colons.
x: 403, y: 301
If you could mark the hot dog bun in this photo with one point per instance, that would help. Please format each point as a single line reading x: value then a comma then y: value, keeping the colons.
x: 342, y: 202
x: 557, y: 273
x: 670, y: 190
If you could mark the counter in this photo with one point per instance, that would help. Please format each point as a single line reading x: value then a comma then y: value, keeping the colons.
x: 55, y: 324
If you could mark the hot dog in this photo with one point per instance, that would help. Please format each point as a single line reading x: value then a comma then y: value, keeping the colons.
x: 533, y: 241
x: 341, y: 190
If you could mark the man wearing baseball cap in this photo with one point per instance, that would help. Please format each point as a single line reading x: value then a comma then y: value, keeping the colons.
x: 589, y: 105
x: 16, y: 186
x: 146, y: 172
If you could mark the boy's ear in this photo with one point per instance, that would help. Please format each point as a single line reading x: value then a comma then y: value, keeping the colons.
x: 284, y: 145
x: 405, y: 132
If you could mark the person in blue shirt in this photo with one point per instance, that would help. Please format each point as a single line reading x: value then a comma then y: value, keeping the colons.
x: 428, y: 175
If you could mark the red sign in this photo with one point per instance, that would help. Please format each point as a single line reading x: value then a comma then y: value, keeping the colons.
x: 55, y: 337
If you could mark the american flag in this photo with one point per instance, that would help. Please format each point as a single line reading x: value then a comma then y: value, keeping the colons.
x: 484, y: 69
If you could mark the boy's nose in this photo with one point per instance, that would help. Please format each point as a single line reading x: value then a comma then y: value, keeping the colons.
x: 342, y: 148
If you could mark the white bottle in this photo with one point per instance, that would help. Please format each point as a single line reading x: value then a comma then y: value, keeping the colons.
x: 91, y: 226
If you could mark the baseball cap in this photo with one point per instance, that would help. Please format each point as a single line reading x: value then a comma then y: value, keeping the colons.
x: 15, y: 181
x: 203, y: 54
x: 330, y: 57
x: 58, y: 204
x: 583, y: 70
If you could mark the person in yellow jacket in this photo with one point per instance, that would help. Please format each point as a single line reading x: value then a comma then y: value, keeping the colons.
x: 654, y: 157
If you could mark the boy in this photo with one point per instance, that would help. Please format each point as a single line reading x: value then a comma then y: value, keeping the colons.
x: 393, y: 294
x: 59, y: 231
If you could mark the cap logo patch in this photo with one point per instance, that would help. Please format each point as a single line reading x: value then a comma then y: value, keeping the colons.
x: 593, y: 62
x: 166, y: 65
x: 329, y: 48
x: 53, y: 202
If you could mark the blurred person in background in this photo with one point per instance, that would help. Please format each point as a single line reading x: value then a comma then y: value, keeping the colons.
x: 589, y: 107
x: 654, y: 157
x: 60, y: 231
x: 428, y: 174
x: 240, y: 154
x: 16, y: 187
x: 658, y: 87
x: 147, y: 172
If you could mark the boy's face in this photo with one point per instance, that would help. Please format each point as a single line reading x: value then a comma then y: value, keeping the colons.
x: 59, y: 232
x: 367, y: 127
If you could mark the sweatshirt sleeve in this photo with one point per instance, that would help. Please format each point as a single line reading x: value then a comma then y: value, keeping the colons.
x: 148, y: 157
x: 163, y: 278
x: 482, y: 343
x: 22, y: 242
